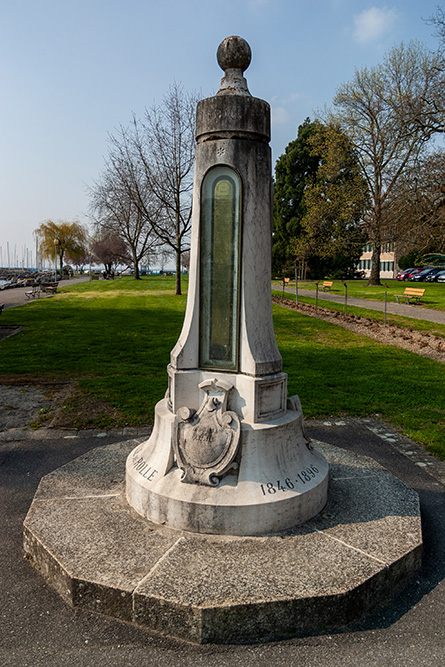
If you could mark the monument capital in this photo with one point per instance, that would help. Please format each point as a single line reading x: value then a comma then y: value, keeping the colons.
x: 234, y: 56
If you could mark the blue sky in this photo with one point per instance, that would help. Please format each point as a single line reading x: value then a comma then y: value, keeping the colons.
x: 72, y: 71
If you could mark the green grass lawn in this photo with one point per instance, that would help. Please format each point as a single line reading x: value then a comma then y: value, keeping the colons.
x: 419, y: 325
x: 113, y: 338
x: 434, y: 292
x: 338, y: 373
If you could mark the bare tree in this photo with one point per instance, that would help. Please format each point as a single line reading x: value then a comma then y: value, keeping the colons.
x: 110, y: 249
x: 438, y: 21
x: 185, y: 260
x: 113, y: 206
x: 154, y: 160
x: 164, y: 256
x: 389, y: 112
x: 416, y: 207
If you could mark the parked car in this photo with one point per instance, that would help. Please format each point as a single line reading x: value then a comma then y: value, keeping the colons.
x: 403, y: 275
x: 432, y: 276
x: 441, y: 277
x: 422, y: 275
x: 414, y: 272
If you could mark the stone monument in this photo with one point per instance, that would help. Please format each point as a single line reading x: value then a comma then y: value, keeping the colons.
x: 229, y: 453
x: 214, y: 552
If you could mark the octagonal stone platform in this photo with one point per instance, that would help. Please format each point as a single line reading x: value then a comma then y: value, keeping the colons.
x: 88, y: 543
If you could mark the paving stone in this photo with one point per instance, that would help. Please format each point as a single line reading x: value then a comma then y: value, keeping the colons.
x: 100, y: 555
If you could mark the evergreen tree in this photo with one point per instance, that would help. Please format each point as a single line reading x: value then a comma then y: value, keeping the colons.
x: 320, y: 197
x: 292, y: 170
x: 334, y: 200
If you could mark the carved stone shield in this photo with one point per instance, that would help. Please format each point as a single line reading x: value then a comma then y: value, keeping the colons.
x: 206, y: 441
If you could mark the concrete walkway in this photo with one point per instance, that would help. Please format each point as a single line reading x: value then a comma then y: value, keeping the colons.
x: 40, y: 629
x: 415, y: 311
x: 16, y: 296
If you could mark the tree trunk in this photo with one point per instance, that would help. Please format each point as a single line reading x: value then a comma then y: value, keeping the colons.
x: 178, y: 266
x: 136, y: 265
x: 374, y: 278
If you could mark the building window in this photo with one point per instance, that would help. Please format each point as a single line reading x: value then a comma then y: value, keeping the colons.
x: 388, y: 247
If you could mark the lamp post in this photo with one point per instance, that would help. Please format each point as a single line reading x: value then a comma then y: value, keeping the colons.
x: 89, y: 253
x: 56, y: 246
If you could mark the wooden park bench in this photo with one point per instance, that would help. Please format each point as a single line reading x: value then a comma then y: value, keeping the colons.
x: 95, y: 276
x: 33, y: 293
x: 411, y: 293
x: 49, y: 288
x: 285, y: 284
x: 326, y: 285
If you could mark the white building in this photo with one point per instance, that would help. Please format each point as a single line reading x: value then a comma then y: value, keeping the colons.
x: 387, y: 263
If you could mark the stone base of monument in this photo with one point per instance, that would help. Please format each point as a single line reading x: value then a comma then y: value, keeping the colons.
x: 280, y: 481
x: 101, y: 556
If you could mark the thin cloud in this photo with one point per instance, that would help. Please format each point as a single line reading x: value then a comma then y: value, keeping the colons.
x: 279, y: 116
x: 373, y: 23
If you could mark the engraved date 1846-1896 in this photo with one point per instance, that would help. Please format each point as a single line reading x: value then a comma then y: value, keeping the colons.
x: 289, y: 484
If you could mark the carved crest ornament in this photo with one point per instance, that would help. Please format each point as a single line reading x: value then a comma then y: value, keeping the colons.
x: 206, y: 441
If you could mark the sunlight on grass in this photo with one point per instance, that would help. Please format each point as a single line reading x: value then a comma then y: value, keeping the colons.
x: 434, y: 292
x: 113, y: 339
x: 115, y: 294
x: 419, y: 325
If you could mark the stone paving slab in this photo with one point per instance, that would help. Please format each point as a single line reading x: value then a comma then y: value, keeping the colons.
x: 413, y: 451
x: 92, y: 474
x: 101, y: 556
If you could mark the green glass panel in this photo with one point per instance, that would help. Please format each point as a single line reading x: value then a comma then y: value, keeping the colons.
x: 219, y: 274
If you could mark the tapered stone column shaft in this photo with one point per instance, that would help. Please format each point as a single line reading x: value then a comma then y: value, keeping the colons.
x: 229, y: 453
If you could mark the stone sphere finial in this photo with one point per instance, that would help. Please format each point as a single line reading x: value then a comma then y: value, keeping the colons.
x: 234, y: 57
x: 234, y: 53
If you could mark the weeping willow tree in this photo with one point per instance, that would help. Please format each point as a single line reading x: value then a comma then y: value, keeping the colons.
x: 62, y: 240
